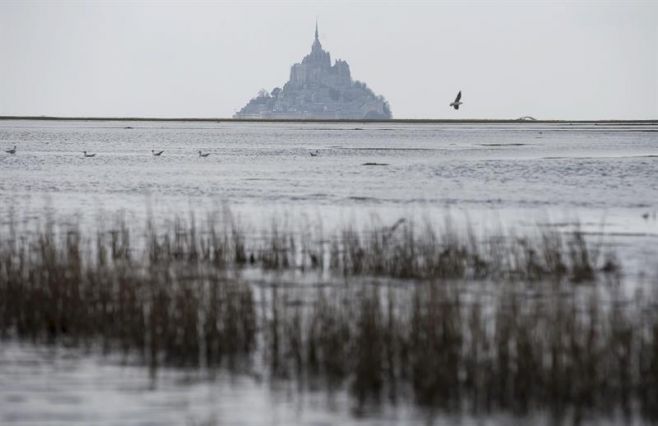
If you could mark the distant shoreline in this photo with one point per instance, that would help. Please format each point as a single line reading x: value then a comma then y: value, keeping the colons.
x: 286, y: 120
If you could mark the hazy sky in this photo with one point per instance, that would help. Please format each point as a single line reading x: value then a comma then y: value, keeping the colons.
x: 548, y: 59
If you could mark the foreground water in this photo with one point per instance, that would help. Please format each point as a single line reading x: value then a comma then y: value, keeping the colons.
x: 60, y: 386
x: 601, y: 176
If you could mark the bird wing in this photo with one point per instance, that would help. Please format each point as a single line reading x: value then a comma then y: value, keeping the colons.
x: 459, y: 96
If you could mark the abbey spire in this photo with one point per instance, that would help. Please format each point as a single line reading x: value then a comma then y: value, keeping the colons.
x: 316, y: 42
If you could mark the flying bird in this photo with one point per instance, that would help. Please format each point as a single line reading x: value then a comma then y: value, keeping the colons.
x: 314, y: 154
x: 11, y: 151
x: 457, y: 101
x: 88, y: 155
x: 203, y: 154
x: 156, y: 154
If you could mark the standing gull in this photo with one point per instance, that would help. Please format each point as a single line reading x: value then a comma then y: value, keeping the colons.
x: 457, y: 101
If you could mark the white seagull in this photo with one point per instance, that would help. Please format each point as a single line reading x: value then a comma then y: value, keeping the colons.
x: 11, y: 151
x: 457, y: 101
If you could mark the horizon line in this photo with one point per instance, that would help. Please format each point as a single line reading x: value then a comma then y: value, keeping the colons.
x: 321, y: 120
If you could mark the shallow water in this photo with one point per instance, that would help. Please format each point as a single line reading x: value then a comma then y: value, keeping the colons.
x: 522, y: 166
x: 58, y: 386
x: 603, y: 177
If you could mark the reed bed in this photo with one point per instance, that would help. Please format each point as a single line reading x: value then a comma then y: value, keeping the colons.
x: 402, y: 250
x: 468, y: 324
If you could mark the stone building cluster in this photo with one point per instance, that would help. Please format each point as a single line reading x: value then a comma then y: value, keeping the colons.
x: 318, y: 90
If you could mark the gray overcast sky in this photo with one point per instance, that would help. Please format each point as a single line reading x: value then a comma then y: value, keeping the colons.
x: 548, y: 59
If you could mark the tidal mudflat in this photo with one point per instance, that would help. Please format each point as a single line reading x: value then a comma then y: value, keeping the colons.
x: 481, y: 273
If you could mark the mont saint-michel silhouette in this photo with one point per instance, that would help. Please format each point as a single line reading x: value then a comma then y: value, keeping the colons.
x: 318, y: 90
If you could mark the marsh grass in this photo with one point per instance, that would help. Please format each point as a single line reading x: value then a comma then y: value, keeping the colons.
x: 164, y: 305
x: 447, y: 348
x: 475, y: 324
x: 403, y: 250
